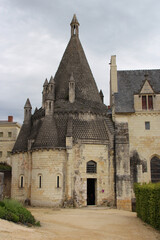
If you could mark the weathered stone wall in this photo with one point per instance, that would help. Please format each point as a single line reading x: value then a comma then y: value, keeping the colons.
x: 82, y: 153
x: 123, y: 180
x: 70, y: 167
x: 48, y: 164
x: 20, y: 167
x: 143, y: 143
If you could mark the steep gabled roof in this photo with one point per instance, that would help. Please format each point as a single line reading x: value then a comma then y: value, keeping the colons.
x: 130, y: 83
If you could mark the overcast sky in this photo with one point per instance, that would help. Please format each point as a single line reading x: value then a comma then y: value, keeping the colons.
x: 35, y: 33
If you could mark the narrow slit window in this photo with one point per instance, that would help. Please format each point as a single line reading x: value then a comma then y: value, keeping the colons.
x: 57, y: 181
x: 40, y: 181
x: 21, y: 181
x: 144, y: 103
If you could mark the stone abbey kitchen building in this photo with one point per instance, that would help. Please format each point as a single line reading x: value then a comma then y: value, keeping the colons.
x: 74, y: 151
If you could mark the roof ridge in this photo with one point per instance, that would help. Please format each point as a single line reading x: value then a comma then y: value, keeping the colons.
x: 156, y: 69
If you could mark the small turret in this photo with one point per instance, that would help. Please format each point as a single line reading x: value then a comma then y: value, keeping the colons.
x: 101, y: 95
x: 51, y: 86
x: 74, y: 26
x: 27, y: 111
x: 44, y: 93
x: 71, y: 89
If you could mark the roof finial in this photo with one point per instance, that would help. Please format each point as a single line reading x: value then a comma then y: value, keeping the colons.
x: 74, y: 26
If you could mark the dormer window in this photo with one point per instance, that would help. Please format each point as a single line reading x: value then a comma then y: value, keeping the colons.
x: 147, y: 102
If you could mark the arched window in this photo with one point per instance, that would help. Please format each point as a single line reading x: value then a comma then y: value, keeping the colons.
x: 155, y: 169
x: 21, y: 181
x: 58, y: 182
x: 91, y: 167
x: 40, y: 180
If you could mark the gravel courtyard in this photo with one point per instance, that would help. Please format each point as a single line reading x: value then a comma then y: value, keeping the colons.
x: 85, y: 224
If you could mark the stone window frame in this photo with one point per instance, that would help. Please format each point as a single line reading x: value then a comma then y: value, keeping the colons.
x: 147, y: 125
x: 21, y: 181
x: 146, y: 103
x: 91, y: 167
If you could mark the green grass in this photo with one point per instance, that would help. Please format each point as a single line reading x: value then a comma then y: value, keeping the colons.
x: 14, y: 211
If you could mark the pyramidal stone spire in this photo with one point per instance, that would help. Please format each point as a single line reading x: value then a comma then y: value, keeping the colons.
x: 74, y: 26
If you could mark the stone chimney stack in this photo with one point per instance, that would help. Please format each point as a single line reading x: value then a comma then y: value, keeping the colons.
x: 71, y: 89
x: 27, y: 111
x: 113, y: 78
x: 10, y: 118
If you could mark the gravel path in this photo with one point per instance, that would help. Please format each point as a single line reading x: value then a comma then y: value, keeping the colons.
x: 80, y: 224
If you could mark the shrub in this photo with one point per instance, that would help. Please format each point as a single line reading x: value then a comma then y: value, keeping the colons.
x: 148, y: 203
x: 14, y: 211
x: 5, y: 214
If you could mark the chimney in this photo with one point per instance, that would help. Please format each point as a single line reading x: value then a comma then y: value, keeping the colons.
x: 10, y: 118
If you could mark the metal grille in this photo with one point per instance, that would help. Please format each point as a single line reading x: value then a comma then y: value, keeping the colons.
x: 91, y: 167
x: 155, y: 169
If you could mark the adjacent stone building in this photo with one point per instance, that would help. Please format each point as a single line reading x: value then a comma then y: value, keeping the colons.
x: 64, y: 154
x: 75, y: 151
x: 9, y: 131
x: 135, y: 103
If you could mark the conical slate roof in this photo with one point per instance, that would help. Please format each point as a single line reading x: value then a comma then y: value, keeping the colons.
x: 50, y: 131
x: 74, y: 62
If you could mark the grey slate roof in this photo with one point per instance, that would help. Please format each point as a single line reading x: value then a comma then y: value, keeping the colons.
x: 47, y: 134
x: 130, y: 83
x: 21, y: 143
x: 93, y: 129
x: 74, y: 61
